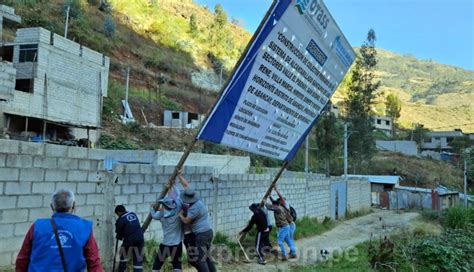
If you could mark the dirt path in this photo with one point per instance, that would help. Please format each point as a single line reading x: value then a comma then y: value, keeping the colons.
x: 344, y: 236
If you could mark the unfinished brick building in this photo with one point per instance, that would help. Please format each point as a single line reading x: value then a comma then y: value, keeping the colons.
x: 51, y: 88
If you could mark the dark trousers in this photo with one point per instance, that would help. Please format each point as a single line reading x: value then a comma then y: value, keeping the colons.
x: 262, y: 244
x: 203, y: 243
x: 136, y: 252
x: 174, y: 252
x: 191, y: 250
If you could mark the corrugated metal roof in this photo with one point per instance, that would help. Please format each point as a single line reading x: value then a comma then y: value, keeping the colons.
x: 379, y: 179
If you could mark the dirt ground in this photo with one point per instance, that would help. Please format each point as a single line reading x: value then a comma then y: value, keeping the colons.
x: 341, y: 238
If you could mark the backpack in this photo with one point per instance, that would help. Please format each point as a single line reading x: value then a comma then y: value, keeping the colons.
x: 293, y: 213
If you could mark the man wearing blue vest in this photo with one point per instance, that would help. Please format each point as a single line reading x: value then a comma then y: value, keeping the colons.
x: 64, y: 242
x: 128, y: 229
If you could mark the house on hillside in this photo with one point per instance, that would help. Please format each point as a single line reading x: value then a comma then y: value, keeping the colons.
x: 180, y: 119
x: 52, y: 88
x: 383, y: 123
x: 439, y: 140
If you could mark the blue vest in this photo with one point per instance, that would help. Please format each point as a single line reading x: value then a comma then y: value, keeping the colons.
x: 74, y: 232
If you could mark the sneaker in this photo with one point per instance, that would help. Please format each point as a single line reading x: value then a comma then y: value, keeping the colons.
x: 293, y: 256
x: 262, y: 262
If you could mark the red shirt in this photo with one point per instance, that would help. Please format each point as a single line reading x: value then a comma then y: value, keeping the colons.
x: 91, y: 253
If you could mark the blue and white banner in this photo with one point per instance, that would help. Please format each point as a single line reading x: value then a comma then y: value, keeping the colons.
x: 288, y: 74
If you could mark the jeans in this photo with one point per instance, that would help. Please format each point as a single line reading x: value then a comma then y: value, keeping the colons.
x: 137, y: 256
x: 292, y: 231
x: 174, y: 252
x: 284, y: 235
x: 203, y: 243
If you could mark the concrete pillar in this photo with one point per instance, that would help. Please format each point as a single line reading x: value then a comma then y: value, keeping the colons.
x: 3, y: 121
x: 106, y: 229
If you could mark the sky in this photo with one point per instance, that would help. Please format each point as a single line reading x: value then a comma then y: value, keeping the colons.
x: 441, y: 30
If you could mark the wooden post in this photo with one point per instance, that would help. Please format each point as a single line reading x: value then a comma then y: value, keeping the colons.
x: 275, y: 180
x: 171, y: 180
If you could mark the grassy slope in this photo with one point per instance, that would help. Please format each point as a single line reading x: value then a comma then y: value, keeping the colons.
x: 429, y: 173
x: 439, y: 96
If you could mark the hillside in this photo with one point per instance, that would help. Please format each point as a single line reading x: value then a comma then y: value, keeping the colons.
x: 176, y: 65
x: 439, y: 96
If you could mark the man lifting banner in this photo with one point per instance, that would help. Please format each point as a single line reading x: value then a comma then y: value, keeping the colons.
x: 287, y: 76
x: 288, y: 73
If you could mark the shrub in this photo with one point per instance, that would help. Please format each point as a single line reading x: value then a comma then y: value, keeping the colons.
x: 451, y: 251
x: 458, y: 217
x: 109, y: 142
x: 221, y: 239
x: 109, y: 26
x: 430, y: 215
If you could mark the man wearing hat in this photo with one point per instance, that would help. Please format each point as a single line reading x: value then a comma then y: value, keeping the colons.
x: 168, y: 214
x: 198, y: 217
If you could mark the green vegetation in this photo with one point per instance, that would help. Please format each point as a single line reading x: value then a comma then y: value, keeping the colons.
x: 223, y: 240
x: 424, y: 248
x: 393, y: 106
x: 357, y: 260
x: 361, y: 94
x: 109, y: 26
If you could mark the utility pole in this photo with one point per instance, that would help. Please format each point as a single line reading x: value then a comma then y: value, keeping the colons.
x: 346, y: 137
x: 67, y: 20
x: 306, y: 151
x: 465, y: 181
x: 126, y: 85
x: 126, y: 92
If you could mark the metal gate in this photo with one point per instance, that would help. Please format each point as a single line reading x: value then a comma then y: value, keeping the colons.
x: 384, y: 200
x: 338, y: 200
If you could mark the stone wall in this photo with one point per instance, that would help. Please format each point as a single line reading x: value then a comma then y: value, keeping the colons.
x: 30, y: 172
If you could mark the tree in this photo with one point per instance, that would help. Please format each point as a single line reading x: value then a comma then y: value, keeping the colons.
x: 218, y: 34
x: 460, y: 144
x: 393, y: 106
x: 109, y: 26
x: 419, y: 134
x: 193, y: 27
x: 328, y: 138
x: 221, y: 17
x: 360, y: 98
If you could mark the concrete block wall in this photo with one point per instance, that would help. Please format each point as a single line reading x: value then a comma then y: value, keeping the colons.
x: 7, y: 80
x: 30, y: 172
x: 405, y: 147
x: 358, y: 194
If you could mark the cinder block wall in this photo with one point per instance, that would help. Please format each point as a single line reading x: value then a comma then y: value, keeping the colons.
x: 30, y: 172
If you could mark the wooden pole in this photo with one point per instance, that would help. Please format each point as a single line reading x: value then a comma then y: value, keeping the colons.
x: 275, y: 180
x: 190, y: 147
x: 171, y: 180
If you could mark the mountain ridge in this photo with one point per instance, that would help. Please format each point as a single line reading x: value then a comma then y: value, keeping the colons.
x: 154, y: 38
